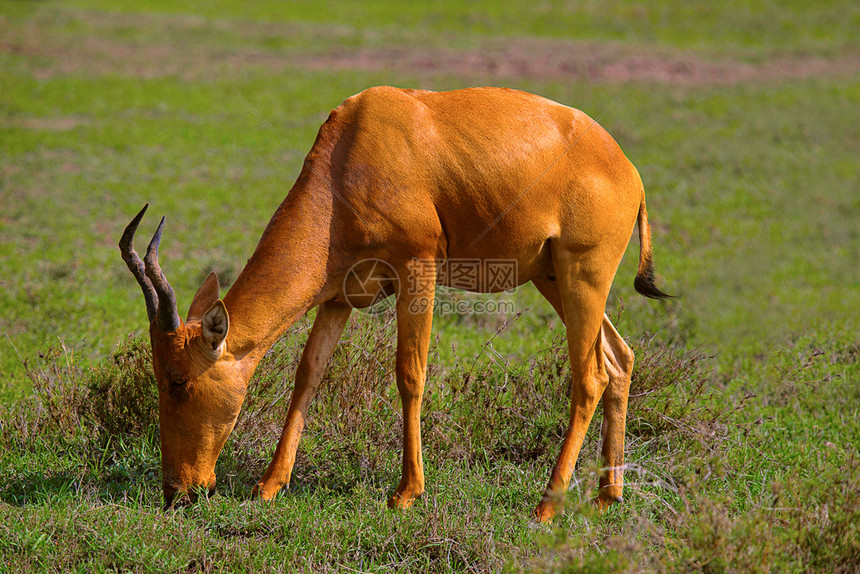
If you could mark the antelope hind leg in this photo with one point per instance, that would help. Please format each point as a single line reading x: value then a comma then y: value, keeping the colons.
x: 618, y: 360
x: 583, y: 298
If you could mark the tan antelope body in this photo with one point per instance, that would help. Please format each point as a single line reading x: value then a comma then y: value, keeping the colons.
x: 406, y: 176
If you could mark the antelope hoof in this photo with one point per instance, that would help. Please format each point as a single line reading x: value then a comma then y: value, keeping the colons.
x: 547, y: 509
x: 262, y: 492
x: 402, y: 500
x: 605, y: 500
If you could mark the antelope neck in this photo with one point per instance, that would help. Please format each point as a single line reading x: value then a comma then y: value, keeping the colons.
x: 283, y: 277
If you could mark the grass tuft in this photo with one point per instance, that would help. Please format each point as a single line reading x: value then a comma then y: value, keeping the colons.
x: 118, y: 396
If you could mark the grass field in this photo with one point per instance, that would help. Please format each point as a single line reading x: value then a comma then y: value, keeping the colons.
x: 744, y: 121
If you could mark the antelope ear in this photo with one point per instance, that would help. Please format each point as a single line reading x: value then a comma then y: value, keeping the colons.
x: 204, y: 298
x: 215, y: 324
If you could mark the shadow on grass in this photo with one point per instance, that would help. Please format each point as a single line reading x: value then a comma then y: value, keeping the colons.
x: 45, y: 487
x: 117, y: 486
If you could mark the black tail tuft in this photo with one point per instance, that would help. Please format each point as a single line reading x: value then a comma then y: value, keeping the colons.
x: 644, y: 284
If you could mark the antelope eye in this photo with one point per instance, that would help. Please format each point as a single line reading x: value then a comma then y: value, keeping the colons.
x: 175, y: 376
x: 179, y: 381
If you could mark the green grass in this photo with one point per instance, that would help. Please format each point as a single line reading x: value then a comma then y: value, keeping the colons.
x: 752, y: 191
x: 752, y: 27
x: 743, y: 450
x: 746, y: 475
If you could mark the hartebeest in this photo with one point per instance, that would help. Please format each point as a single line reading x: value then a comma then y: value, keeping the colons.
x: 406, y: 176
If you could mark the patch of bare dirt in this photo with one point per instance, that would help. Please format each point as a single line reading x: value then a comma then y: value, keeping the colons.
x: 549, y: 59
x: 62, y: 123
x: 178, y: 47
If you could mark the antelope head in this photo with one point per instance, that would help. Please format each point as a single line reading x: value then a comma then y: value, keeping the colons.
x: 200, y: 389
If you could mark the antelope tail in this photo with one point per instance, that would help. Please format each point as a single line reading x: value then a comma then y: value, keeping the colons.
x: 644, y: 283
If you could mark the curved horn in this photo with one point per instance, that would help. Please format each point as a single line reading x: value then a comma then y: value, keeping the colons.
x: 167, y: 317
x: 136, y: 266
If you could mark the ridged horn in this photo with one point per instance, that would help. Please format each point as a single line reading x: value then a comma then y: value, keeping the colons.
x: 136, y: 266
x: 167, y: 316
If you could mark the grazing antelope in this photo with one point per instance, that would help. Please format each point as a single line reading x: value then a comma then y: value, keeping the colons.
x: 405, y: 176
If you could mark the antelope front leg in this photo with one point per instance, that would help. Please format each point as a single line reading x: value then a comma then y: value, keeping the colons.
x: 328, y: 327
x: 618, y: 359
x: 414, y: 323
